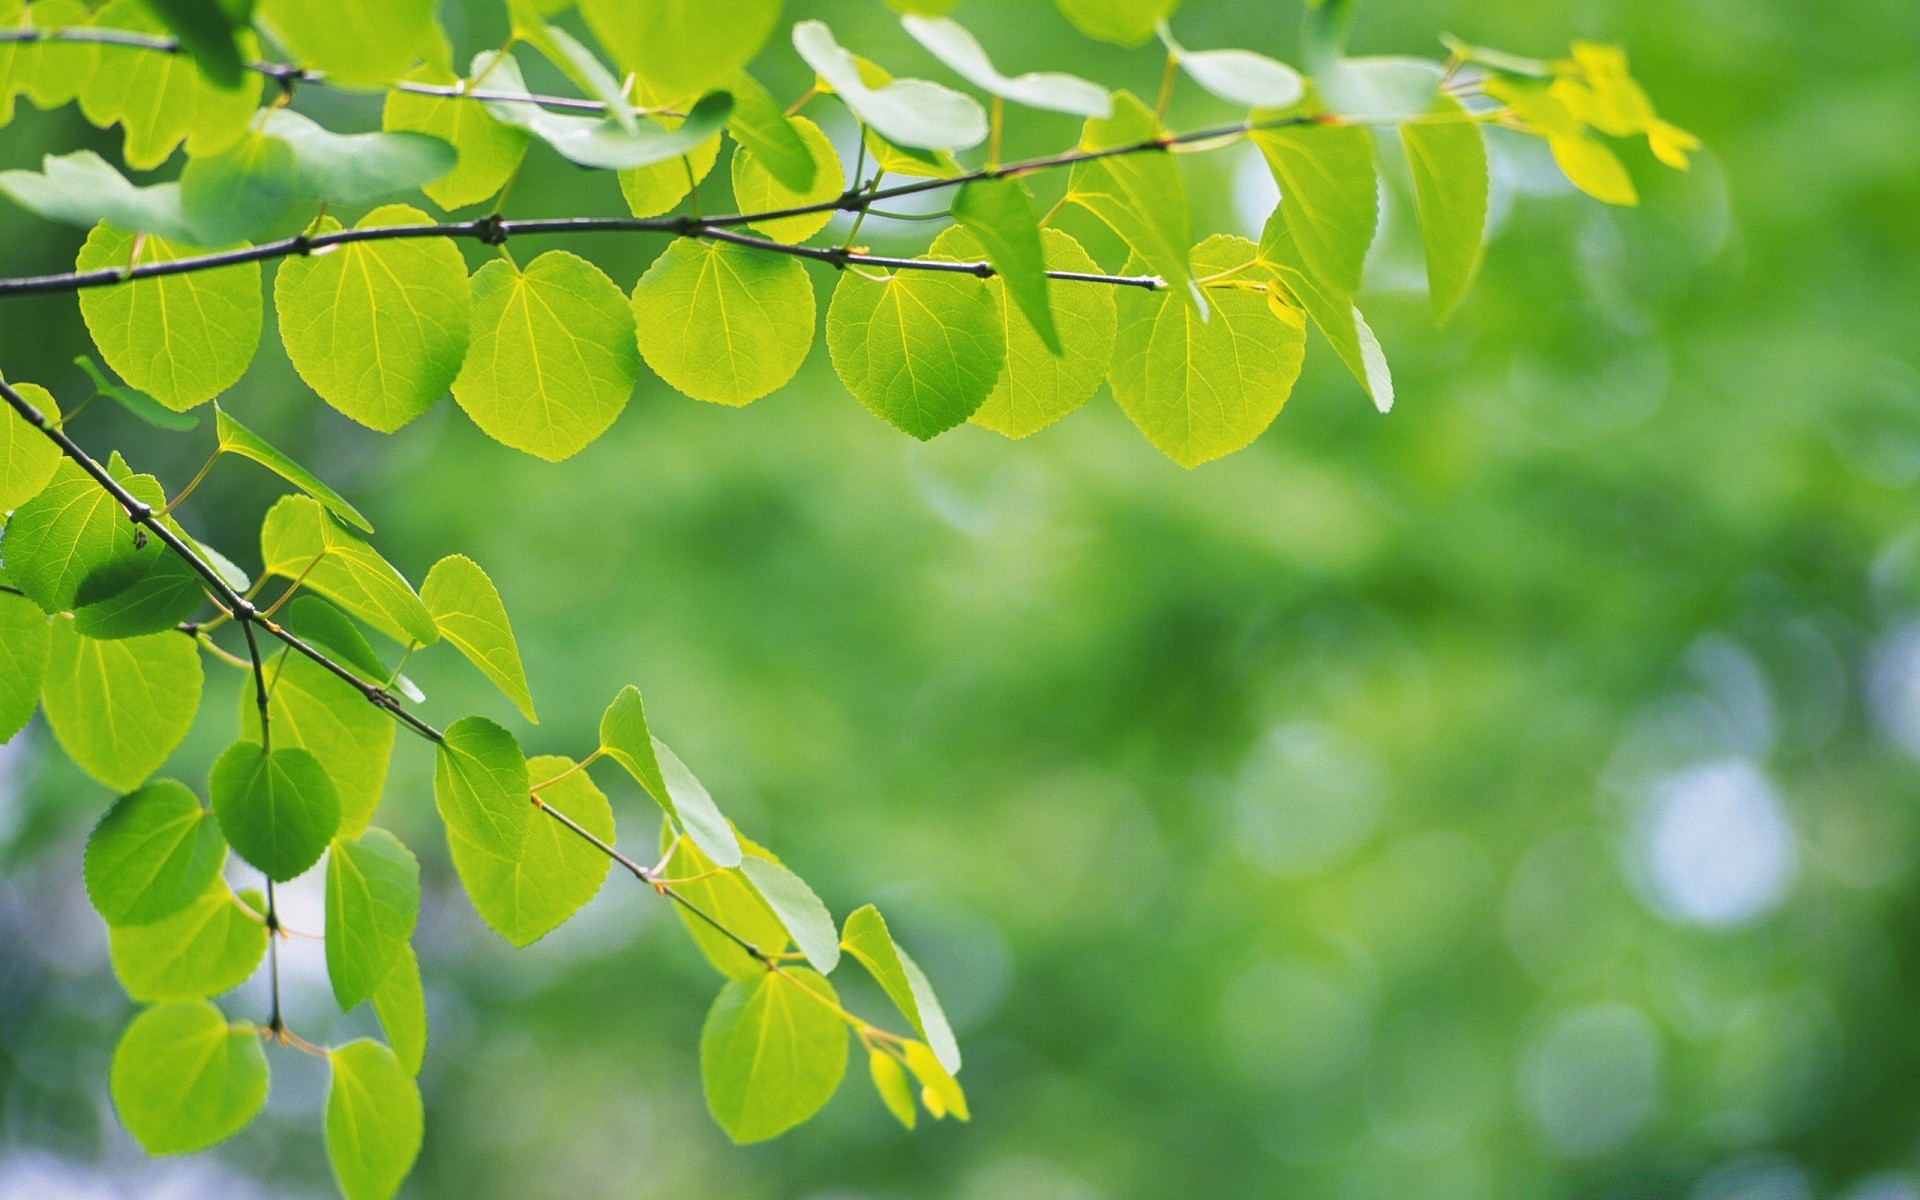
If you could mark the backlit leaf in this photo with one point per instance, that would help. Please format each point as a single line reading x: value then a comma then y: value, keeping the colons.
x: 908, y: 112
x: 682, y: 47
x: 488, y: 151
x: 1140, y: 196
x: 1336, y: 316
x: 482, y: 789
x: 211, y: 946
x: 28, y: 458
x: 1328, y: 197
x: 301, y: 540
x: 601, y: 142
x: 724, y: 323
x: 1122, y: 22
x: 374, y: 1120
x: 152, y: 855
x: 238, y: 193
x: 724, y: 894
x: 358, y: 43
x: 866, y: 937
x: 771, y: 1056
x: 184, y: 1079
x: 182, y: 339
x: 401, y: 1004
x: 277, y: 807
x: 999, y: 214
x: 758, y: 189
x: 379, y: 329
x: 162, y: 99
x: 119, y: 708
x: 470, y: 616
x: 23, y: 661
x: 556, y: 870
x: 890, y: 1080
x: 553, y: 358
x: 659, y: 188
x: 759, y: 125
x: 1448, y: 159
x: 235, y: 438
x: 625, y: 738
x: 309, y: 707
x: 373, y: 901
x: 949, y: 41
x: 1593, y: 168
x: 921, y: 349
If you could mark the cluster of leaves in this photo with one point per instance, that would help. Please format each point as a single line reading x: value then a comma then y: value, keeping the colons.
x: 109, y: 604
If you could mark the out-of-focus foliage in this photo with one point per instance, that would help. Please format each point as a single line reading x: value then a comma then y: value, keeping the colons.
x: 1510, y: 797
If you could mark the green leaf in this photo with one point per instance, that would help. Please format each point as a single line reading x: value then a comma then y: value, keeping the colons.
x: 909, y: 112
x: 1140, y: 196
x: 724, y: 894
x: 83, y: 189
x: 238, y: 193
x: 119, y: 708
x: 760, y: 126
x: 152, y: 855
x: 1328, y: 197
x: 1336, y: 316
x: 1197, y: 389
x: 358, y: 43
x: 949, y: 41
x: 757, y: 188
x: 162, y: 99
x: 211, y: 946
x: 235, y: 438
x: 659, y: 188
x: 373, y: 901
x: 999, y: 214
x: 401, y: 1004
x: 1039, y: 387
x: 182, y: 339
x: 137, y: 402
x: 890, y: 1080
x: 1239, y: 76
x: 467, y: 609
x: 866, y: 937
x: 136, y: 596
x: 724, y: 323
x: 488, y: 151
x: 277, y: 808
x: 205, y: 29
x: 301, y: 540
x: 770, y: 1056
x: 921, y: 349
x: 804, y: 916
x: 482, y: 789
x: 28, y: 458
x: 600, y: 142
x: 23, y: 661
x: 309, y: 707
x: 332, y: 631
x: 184, y: 1079
x: 378, y: 328
x: 356, y: 168
x: 374, y: 1121
x: 556, y: 870
x: 554, y: 358
x: 48, y: 73
x: 682, y: 47
x: 73, y: 531
x: 626, y: 740
x: 1122, y: 22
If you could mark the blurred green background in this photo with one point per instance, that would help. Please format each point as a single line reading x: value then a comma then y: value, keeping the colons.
x: 1512, y: 796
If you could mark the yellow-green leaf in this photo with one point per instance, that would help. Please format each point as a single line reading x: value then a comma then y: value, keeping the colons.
x: 162, y: 99
x: 119, y: 708
x: 1140, y: 195
x: 489, y: 151
x: 374, y: 1120
x: 468, y: 611
x: 724, y: 323
x: 184, y: 1079
x: 771, y: 1056
x: 301, y: 540
x: 1448, y: 158
x: 211, y: 946
x: 921, y: 349
x: 757, y: 187
x: 555, y: 871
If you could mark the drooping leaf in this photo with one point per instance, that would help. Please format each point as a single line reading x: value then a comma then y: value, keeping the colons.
x: 553, y: 359
x: 119, y: 708
x: 949, y: 41
x: 309, y: 707
x: 23, y: 661
x: 137, y: 402
x: 866, y: 937
x: 909, y: 112
x: 152, y: 855
x: 374, y: 1120
x: 358, y: 43
x: 659, y: 188
x: 804, y: 916
x: 724, y: 323
x: 1328, y: 196
x: 401, y: 1004
x: 482, y: 789
x: 162, y: 99
x: 604, y: 143
x: 488, y: 151
x: 184, y: 1079
x: 1336, y: 316
x: 890, y: 1080
x: 235, y: 438
x: 999, y: 214
x: 277, y: 807
x: 135, y: 595
x: 1140, y: 196
x: 182, y: 339
x: 28, y: 458
x: 758, y: 189
x: 1039, y: 387
x: 770, y: 1056
x: 206, y: 30
x: 373, y: 901
x: 1199, y: 390
x: 380, y: 329
x: 469, y: 614
x: 759, y: 125
x: 724, y: 894
x: 575, y: 61
x: 921, y: 349
x: 939, y: 1090
x: 68, y: 531
x: 330, y: 630
x: 1244, y: 78
x: 682, y: 47
x: 1593, y: 168
x: 301, y: 540
x: 1122, y: 22
x: 238, y: 193
x: 687, y: 801
x: 211, y: 946
x: 84, y: 189
x: 355, y: 168
x: 556, y: 870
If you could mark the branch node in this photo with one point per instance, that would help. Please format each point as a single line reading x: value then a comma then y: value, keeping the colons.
x: 491, y: 230
x: 139, y: 513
